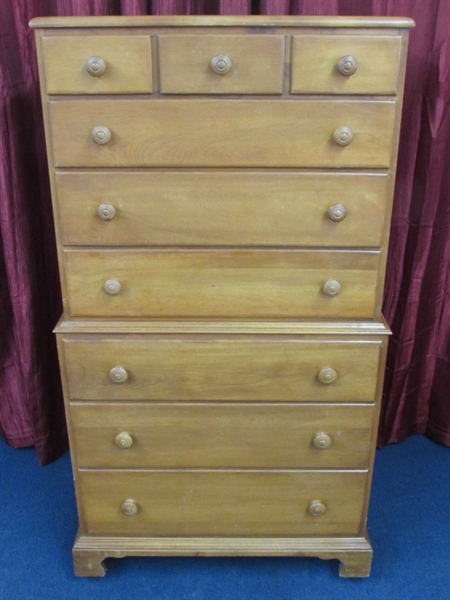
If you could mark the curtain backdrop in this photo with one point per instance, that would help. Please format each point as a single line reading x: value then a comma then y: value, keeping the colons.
x: 417, y: 296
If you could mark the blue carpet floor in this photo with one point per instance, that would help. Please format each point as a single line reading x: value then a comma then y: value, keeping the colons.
x: 409, y: 525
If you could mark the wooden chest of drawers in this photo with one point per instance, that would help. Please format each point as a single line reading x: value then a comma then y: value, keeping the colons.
x: 222, y: 191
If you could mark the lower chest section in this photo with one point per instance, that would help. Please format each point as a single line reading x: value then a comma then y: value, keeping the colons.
x: 219, y: 434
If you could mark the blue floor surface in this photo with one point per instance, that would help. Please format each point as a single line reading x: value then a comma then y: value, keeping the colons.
x: 409, y: 526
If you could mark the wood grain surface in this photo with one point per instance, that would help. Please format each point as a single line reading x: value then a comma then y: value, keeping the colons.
x: 216, y: 435
x: 127, y: 57
x: 227, y: 283
x: 255, y: 503
x: 208, y: 368
x: 315, y: 59
x: 221, y: 133
x: 221, y: 208
x: 257, y: 64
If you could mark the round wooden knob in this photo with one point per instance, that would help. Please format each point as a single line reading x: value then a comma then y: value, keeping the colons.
x: 221, y: 64
x: 331, y: 288
x: 129, y: 508
x: 347, y: 65
x: 112, y: 287
x: 118, y: 375
x: 343, y: 136
x: 322, y: 441
x: 337, y: 212
x: 317, y: 508
x: 106, y: 212
x: 327, y: 375
x: 101, y: 135
x: 123, y: 439
x: 95, y: 66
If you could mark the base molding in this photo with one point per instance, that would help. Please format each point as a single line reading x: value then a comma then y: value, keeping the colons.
x: 354, y: 553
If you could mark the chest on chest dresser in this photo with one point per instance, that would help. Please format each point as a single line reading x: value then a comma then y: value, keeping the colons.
x: 222, y: 191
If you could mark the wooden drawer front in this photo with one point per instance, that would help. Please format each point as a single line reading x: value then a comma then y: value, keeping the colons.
x: 221, y: 133
x: 127, y: 60
x: 222, y: 436
x: 231, y: 369
x: 216, y: 208
x: 315, y: 64
x: 196, y: 503
x: 189, y: 64
x: 228, y: 283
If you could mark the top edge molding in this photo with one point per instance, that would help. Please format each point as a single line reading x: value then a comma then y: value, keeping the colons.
x: 220, y: 21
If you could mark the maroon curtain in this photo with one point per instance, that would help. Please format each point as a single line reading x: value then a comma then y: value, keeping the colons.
x: 417, y: 297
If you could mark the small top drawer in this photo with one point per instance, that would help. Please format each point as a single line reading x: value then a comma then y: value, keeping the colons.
x: 221, y: 64
x: 345, y: 64
x: 91, y: 64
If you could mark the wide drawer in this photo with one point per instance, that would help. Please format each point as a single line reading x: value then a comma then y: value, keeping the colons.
x: 198, y: 503
x: 229, y: 368
x: 221, y: 435
x: 220, y: 133
x: 345, y: 64
x: 222, y: 283
x: 221, y: 64
x: 120, y: 64
x: 201, y: 208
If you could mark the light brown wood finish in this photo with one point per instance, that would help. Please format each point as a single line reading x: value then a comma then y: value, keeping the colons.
x: 315, y: 59
x: 225, y: 21
x: 257, y: 64
x: 234, y: 369
x: 355, y: 553
x: 221, y: 133
x: 199, y: 503
x: 237, y: 435
x: 208, y: 208
x: 229, y: 283
x: 311, y: 330
x: 213, y: 394
x: 127, y: 58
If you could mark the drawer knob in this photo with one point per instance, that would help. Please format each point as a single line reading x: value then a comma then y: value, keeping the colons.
x: 95, y: 66
x: 112, y: 287
x: 123, y: 439
x: 337, y: 212
x: 347, y: 65
x: 129, y: 508
x: 118, y: 375
x: 322, y: 441
x: 317, y: 508
x: 101, y: 135
x: 107, y: 212
x: 327, y: 375
x: 221, y: 64
x: 343, y: 136
x: 331, y: 288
